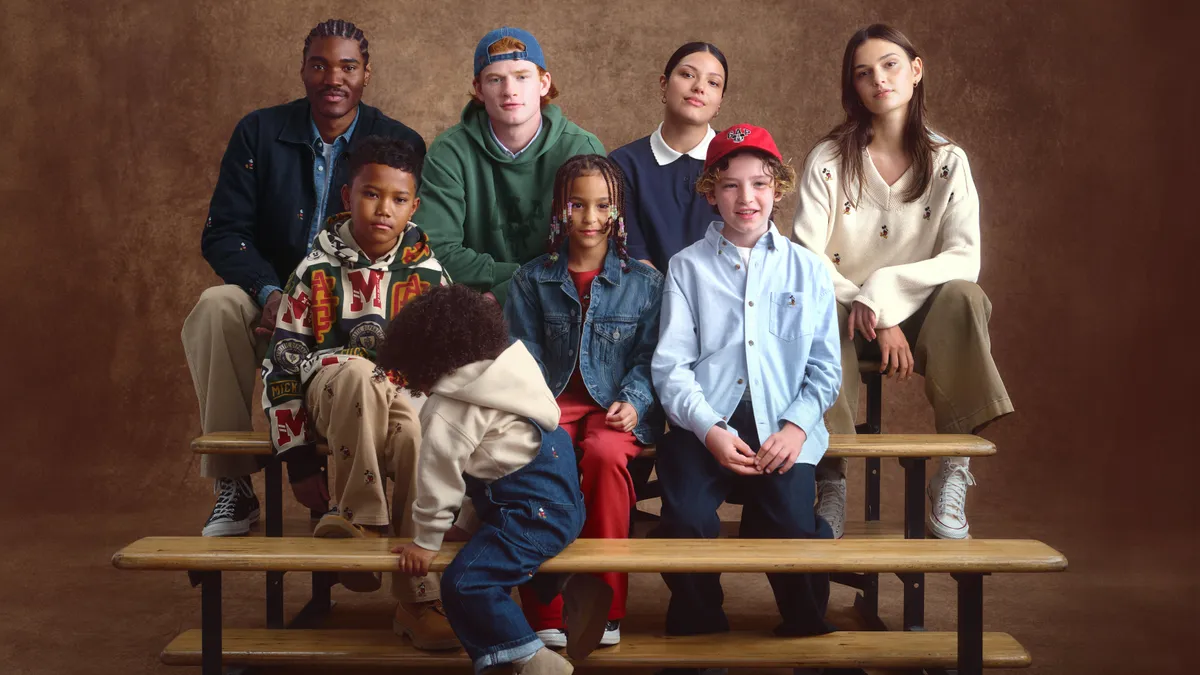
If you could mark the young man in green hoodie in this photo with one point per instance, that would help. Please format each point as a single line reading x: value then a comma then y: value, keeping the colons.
x: 487, y: 180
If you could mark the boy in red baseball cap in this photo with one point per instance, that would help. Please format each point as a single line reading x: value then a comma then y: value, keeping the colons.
x: 748, y: 361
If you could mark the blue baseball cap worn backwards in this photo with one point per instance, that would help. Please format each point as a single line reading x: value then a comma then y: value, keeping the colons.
x: 532, y: 52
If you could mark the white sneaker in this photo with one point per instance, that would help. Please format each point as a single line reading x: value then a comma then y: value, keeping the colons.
x: 831, y: 504
x: 948, y: 499
x: 612, y: 633
x: 553, y: 638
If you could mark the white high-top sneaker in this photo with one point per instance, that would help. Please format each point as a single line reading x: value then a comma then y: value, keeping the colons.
x: 948, y: 499
x: 831, y: 504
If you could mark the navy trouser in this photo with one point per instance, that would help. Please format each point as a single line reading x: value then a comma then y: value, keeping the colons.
x: 528, y: 516
x: 778, y: 506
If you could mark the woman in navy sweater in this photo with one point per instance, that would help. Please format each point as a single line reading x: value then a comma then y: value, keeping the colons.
x: 664, y: 214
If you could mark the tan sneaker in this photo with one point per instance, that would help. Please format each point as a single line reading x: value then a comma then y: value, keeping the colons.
x: 425, y: 624
x: 544, y: 662
x: 335, y: 526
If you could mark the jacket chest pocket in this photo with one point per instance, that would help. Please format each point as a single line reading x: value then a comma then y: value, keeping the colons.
x: 614, y: 340
x: 789, y: 318
x: 556, y: 334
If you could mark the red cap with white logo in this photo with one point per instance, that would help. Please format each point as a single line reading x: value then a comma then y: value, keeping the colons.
x: 740, y: 137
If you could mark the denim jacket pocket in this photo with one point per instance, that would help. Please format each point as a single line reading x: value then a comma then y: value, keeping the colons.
x: 788, y: 316
x: 614, y: 340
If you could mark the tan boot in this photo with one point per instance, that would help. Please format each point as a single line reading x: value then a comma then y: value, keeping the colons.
x: 586, y: 601
x: 335, y: 526
x: 425, y: 624
x: 544, y: 662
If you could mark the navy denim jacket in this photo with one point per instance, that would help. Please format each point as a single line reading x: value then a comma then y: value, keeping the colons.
x: 613, y: 343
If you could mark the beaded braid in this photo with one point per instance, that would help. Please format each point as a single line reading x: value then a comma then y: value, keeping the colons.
x: 338, y: 28
x: 560, y: 206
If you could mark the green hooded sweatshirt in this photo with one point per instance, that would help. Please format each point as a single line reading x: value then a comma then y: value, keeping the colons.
x: 485, y: 212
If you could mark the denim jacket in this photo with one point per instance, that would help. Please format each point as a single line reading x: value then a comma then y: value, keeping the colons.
x: 613, y: 344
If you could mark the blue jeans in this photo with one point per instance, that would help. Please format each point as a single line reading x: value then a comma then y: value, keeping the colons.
x: 778, y: 506
x: 529, y: 516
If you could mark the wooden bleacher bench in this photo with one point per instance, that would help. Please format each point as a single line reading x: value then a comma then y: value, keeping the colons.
x: 757, y: 649
x: 912, y: 450
x: 840, y: 445
x: 970, y: 649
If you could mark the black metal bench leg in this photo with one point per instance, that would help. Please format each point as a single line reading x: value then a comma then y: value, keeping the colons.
x: 970, y: 623
x: 273, y: 477
x: 210, y: 623
x: 914, y: 528
x: 320, y: 605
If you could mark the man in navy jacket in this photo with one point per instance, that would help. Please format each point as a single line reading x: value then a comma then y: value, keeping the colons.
x: 281, y: 176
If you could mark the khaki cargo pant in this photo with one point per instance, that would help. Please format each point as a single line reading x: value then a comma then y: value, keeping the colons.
x: 224, y: 356
x: 951, y: 349
x: 373, y: 433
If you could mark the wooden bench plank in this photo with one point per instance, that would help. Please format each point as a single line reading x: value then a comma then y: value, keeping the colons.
x: 840, y: 445
x: 609, y: 555
x: 348, y: 648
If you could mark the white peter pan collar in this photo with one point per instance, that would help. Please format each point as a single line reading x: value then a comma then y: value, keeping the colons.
x: 665, y: 154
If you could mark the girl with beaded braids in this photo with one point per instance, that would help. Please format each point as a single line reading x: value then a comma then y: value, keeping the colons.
x: 589, y: 316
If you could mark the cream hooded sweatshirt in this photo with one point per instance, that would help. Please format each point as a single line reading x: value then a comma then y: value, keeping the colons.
x: 476, y: 421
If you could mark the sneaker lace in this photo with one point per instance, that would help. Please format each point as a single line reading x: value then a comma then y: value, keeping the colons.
x: 227, y: 490
x: 831, y: 497
x: 952, y: 498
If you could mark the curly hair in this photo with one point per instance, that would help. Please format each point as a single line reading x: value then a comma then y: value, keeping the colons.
x: 441, y: 331
x: 781, y: 173
x: 391, y: 152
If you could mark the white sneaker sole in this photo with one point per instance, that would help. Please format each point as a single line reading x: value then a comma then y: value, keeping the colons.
x: 611, y: 638
x: 554, y: 639
x: 231, y: 528
x: 937, y: 529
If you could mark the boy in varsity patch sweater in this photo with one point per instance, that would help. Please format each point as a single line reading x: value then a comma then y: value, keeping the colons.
x: 320, y: 377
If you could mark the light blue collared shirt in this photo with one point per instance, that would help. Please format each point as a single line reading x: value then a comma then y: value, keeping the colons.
x: 770, y: 326
x: 323, y: 162
x: 503, y: 147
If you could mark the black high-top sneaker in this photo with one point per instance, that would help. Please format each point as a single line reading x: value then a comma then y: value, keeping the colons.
x: 236, y: 509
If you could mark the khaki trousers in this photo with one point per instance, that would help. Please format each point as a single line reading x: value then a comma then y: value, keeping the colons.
x: 373, y: 433
x: 951, y: 349
x: 224, y: 357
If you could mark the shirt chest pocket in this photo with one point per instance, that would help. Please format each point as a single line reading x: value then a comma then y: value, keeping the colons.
x: 789, y: 318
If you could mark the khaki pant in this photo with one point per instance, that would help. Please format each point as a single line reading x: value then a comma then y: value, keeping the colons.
x: 373, y: 433
x: 951, y: 349
x: 224, y: 356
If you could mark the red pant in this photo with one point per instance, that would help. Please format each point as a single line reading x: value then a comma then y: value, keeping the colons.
x: 607, y: 493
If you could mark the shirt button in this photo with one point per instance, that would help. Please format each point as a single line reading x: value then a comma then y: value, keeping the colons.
x: 320, y: 168
x: 740, y: 381
x: 570, y: 352
x: 737, y: 267
x: 752, y: 343
x: 751, y: 303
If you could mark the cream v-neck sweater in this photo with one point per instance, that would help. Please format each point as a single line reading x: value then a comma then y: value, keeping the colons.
x: 885, y: 253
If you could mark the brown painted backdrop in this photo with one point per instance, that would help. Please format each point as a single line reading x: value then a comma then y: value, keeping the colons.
x: 1078, y: 119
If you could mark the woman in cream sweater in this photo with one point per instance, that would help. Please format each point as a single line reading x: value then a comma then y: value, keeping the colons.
x: 894, y: 210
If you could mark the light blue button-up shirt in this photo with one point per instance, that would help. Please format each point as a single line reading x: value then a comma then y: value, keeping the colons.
x: 323, y: 163
x: 326, y: 156
x: 770, y: 326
